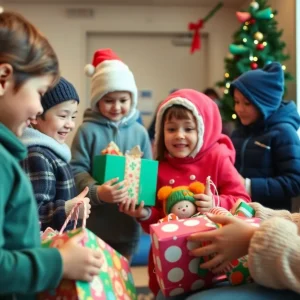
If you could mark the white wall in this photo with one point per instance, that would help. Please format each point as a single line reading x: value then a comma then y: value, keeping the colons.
x: 68, y: 36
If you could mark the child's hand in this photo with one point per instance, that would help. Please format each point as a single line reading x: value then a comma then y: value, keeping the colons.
x: 112, y: 193
x: 79, y: 263
x: 81, y: 197
x: 133, y: 211
x: 227, y: 243
x: 205, y: 202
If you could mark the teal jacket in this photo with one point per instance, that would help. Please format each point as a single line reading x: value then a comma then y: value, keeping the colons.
x: 91, y: 138
x: 25, y: 267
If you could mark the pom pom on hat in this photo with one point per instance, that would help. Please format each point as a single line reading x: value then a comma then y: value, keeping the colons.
x: 89, y: 70
x: 197, y: 187
x: 164, y: 192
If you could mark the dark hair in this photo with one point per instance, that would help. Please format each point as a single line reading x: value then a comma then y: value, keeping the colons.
x: 176, y: 111
x: 25, y: 49
x: 211, y: 91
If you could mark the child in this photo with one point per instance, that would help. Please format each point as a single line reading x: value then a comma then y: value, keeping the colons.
x: 273, y: 251
x: 190, y: 147
x: 267, y: 144
x: 112, y: 117
x: 47, y: 163
x: 28, y: 67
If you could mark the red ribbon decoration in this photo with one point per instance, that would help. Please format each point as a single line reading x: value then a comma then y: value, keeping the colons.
x: 196, y: 43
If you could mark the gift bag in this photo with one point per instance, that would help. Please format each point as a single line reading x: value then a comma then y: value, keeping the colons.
x: 114, y: 281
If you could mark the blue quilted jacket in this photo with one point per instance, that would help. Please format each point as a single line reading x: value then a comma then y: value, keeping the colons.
x: 268, y: 153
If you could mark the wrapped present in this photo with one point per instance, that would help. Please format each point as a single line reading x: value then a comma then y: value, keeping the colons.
x: 140, y: 174
x: 114, y: 281
x: 112, y: 149
x: 244, y: 210
x: 168, y: 218
x: 176, y: 270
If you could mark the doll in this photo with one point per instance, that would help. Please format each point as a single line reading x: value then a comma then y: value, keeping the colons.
x: 179, y: 202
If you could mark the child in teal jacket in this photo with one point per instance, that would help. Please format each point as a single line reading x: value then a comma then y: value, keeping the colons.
x: 28, y: 67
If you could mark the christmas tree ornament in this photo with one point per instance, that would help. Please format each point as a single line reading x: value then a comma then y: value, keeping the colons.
x: 258, y: 36
x: 254, y: 65
x: 260, y: 47
x: 238, y: 49
x: 243, y: 16
x: 265, y: 14
x: 229, y: 56
x: 254, y: 5
x: 195, y: 27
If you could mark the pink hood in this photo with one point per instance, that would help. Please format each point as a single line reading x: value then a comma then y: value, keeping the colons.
x: 208, y: 118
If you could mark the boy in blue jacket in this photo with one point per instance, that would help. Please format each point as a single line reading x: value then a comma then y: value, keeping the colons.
x: 267, y: 144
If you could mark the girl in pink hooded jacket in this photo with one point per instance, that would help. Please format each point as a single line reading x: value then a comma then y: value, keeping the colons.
x: 190, y: 147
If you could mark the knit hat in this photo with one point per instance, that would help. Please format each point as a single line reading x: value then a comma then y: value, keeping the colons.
x: 262, y: 87
x: 63, y: 91
x: 109, y: 74
x: 170, y: 196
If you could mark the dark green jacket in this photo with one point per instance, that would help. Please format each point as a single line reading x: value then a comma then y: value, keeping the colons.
x: 25, y: 267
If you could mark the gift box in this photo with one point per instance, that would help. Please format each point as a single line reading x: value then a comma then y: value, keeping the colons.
x: 176, y: 270
x: 114, y: 281
x: 140, y: 174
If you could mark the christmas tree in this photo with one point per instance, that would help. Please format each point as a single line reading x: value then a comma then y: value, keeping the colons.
x: 256, y: 43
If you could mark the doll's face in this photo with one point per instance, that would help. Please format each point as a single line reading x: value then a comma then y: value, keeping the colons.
x: 184, y: 209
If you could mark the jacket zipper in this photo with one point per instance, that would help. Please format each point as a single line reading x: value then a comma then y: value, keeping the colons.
x: 243, y: 154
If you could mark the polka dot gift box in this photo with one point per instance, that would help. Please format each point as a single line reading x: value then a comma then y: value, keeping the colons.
x: 114, y: 282
x: 177, y: 272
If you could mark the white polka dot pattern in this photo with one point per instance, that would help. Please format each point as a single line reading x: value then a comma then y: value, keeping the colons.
x: 176, y: 270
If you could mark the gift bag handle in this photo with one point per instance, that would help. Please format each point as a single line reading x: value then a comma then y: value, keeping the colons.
x: 75, y: 209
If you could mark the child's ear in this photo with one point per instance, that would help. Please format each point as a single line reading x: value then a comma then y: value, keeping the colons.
x: 6, y: 72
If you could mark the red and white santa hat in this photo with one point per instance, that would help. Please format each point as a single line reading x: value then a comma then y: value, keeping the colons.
x: 109, y: 74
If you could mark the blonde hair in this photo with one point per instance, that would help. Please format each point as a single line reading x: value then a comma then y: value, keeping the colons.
x: 25, y: 49
x: 178, y: 112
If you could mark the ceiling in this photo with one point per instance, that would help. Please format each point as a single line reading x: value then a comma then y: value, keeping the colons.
x: 186, y: 3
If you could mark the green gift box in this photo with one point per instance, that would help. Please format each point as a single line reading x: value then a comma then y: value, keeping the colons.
x: 114, y: 281
x: 140, y: 174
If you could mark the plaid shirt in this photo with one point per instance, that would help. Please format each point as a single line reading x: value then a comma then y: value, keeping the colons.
x: 52, y: 181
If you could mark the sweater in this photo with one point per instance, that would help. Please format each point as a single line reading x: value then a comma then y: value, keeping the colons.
x: 274, y: 251
x: 26, y: 268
